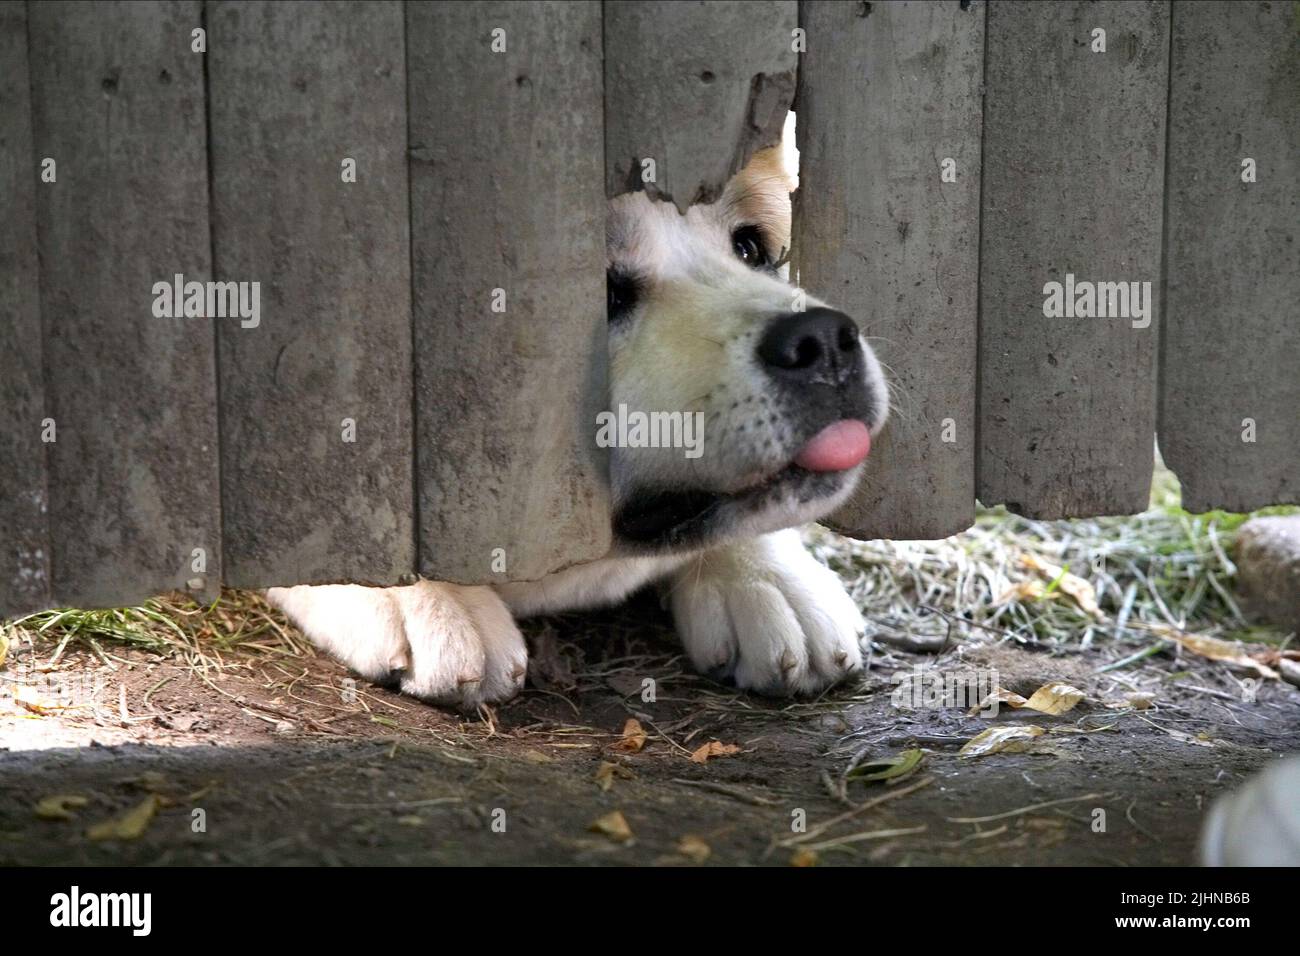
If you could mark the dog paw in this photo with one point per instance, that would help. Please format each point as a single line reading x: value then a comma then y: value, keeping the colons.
x: 445, y: 643
x: 767, y: 614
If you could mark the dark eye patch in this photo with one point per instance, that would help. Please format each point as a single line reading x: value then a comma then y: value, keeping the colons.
x: 621, y: 293
x: 747, y: 244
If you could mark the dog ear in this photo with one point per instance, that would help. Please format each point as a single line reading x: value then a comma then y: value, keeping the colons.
x: 760, y: 193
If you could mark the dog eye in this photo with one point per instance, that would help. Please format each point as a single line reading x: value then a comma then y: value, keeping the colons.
x: 620, y: 294
x: 747, y: 243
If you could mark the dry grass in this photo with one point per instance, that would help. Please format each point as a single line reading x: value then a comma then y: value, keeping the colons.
x: 1163, y: 567
x: 201, y: 634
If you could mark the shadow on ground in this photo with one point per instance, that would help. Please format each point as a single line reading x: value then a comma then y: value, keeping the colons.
x: 278, y: 759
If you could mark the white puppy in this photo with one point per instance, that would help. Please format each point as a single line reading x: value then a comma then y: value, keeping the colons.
x: 700, y: 320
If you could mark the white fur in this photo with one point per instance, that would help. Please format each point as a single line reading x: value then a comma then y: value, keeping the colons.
x: 753, y: 604
x: 447, y: 643
x: 766, y: 612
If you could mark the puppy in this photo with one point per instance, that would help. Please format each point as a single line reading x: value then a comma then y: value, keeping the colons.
x: 700, y: 320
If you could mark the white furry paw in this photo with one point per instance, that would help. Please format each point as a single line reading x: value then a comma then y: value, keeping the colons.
x: 445, y: 643
x: 766, y: 613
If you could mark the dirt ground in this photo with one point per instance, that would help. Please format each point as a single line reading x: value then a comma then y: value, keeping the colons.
x: 279, y: 759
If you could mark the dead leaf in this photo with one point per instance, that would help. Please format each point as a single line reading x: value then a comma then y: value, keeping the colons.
x: 999, y: 740
x: 694, y: 849
x: 612, y: 825
x: 1215, y: 649
x: 129, y: 825
x: 888, y: 768
x: 58, y: 807
x: 30, y: 698
x: 537, y: 757
x: 1054, y: 698
x: 714, y: 748
x: 633, y: 739
x: 4, y: 648
x: 804, y: 857
x: 1071, y: 584
x: 607, y: 772
x: 1002, y: 696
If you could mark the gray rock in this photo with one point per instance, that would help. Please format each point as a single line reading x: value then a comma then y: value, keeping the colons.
x: 1268, y: 568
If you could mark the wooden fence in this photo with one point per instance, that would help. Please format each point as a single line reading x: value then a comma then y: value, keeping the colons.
x: 417, y: 188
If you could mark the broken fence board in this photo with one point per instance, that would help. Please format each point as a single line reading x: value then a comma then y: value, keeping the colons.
x: 697, y: 88
x: 887, y: 229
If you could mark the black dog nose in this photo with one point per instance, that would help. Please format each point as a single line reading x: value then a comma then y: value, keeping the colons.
x: 819, y: 345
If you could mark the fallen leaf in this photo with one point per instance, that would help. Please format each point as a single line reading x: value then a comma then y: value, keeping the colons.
x: 4, y: 648
x: 58, y: 807
x: 612, y: 825
x: 129, y: 825
x: 537, y: 757
x: 694, y: 849
x: 1001, y: 696
x: 30, y: 698
x: 804, y: 857
x: 1215, y: 649
x: 888, y: 768
x: 714, y: 748
x: 633, y: 739
x: 999, y: 739
x: 1076, y: 587
x: 607, y: 772
x: 1054, y: 698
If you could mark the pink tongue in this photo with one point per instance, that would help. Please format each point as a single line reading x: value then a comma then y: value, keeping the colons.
x: 836, y: 447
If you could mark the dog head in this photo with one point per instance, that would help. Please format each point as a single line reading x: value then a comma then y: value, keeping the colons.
x: 740, y: 404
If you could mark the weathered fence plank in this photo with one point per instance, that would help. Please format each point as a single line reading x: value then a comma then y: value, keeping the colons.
x: 887, y: 229
x: 696, y: 87
x: 24, y: 529
x: 1230, y: 383
x: 117, y: 103
x: 508, y: 260
x: 308, y: 116
x: 1073, y: 177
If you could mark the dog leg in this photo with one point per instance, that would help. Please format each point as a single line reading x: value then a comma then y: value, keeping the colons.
x: 446, y: 643
x: 767, y: 613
